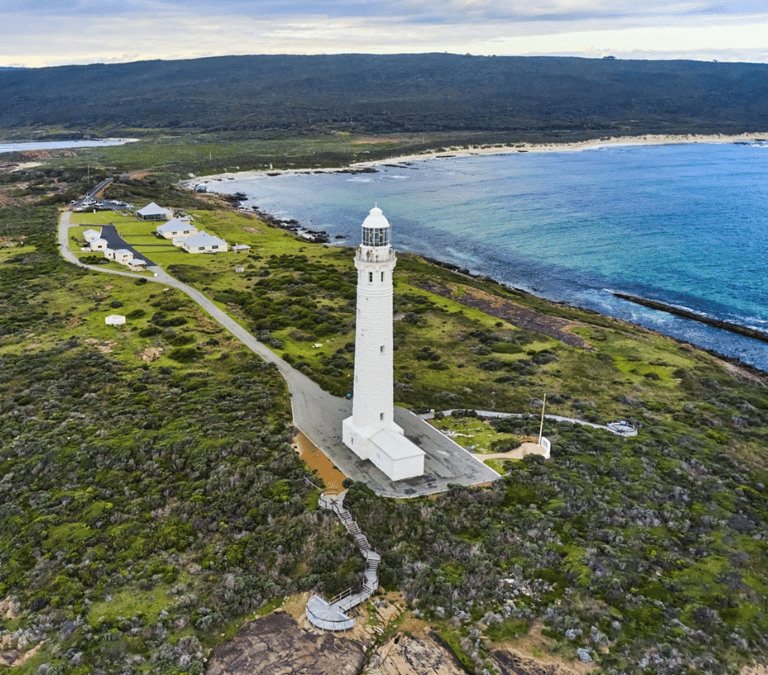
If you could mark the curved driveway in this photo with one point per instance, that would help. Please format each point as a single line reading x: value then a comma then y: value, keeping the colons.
x: 319, y: 415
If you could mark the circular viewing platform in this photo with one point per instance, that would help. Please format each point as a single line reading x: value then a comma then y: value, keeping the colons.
x: 622, y: 429
x: 324, y: 616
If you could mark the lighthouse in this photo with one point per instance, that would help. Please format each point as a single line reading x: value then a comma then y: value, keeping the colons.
x: 371, y: 432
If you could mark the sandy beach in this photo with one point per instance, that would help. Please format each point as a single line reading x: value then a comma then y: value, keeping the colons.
x: 498, y: 149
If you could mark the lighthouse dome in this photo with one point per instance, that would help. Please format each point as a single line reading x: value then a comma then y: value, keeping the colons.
x: 376, y: 229
x: 376, y: 218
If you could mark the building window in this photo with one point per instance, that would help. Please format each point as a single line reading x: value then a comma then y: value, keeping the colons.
x: 382, y: 276
x: 370, y: 277
x: 381, y: 416
x: 381, y: 349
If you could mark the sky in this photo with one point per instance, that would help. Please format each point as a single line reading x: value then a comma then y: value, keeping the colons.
x: 40, y: 33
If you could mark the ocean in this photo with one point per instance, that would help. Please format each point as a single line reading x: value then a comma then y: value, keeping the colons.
x: 685, y: 225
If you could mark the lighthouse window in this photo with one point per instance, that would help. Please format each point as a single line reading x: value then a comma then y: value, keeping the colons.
x: 375, y: 236
x: 381, y: 349
x: 370, y: 276
x: 382, y: 276
x: 381, y: 416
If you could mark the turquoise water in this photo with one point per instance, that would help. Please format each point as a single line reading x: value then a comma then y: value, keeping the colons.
x: 683, y: 224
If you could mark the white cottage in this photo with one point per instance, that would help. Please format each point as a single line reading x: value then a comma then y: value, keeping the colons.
x: 90, y: 235
x: 175, y: 228
x: 154, y: 212
x: 98, y: 244
x: 202, y: 242
x: 123, y: 256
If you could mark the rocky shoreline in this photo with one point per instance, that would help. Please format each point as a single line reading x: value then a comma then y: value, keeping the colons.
x: 322, y: 237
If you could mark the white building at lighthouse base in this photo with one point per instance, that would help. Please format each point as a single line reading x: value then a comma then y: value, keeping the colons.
x: 389, y: 450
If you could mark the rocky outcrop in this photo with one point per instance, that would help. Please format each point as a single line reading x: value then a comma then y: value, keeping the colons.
x: 405, y: 655
x: 509, y: 663
x: 276, y: 645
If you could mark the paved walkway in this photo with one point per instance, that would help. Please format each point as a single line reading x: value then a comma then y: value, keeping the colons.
x: 618, y: 428
x: 319, y: 414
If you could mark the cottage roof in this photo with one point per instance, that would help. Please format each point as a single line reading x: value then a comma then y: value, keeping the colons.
x: 152, y: 209
x: 91, y: 234
x: 202, y: 238
x: 173, y: 225
x: 123, y: 251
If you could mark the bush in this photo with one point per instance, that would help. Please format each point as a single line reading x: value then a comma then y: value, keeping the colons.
x: 184, y: 354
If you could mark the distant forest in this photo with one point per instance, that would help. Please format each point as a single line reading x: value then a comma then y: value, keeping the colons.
x: 530, y: 97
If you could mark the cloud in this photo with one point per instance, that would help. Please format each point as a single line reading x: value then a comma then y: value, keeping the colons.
x: 54, y: 32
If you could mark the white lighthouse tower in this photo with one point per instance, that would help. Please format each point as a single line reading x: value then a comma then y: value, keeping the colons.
x: 371, y: 432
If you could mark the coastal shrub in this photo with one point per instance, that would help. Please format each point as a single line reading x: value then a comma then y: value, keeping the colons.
x: 184, y: 354
x: 149, y: 331
x: 491, y: 364
x: 506, y: 348
x: 182, y: 339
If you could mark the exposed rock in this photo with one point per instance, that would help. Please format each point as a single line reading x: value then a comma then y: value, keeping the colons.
x: 509, y: 663
x: 8, y: 658
x: 276, y: 645
x: 9, y: 608
x: 151, y: 354
x: 404, y: 655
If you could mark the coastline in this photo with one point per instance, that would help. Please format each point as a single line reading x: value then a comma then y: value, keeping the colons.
x: 477, y: 151
x: 313, y: 236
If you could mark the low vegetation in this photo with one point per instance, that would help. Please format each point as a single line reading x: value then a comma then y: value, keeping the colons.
x: 151, y: 500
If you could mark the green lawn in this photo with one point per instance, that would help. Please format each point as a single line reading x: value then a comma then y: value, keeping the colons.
x: 472, y: 433
x: 99, y: 218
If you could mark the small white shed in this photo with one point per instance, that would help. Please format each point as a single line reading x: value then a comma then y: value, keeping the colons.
x: 99, y: 244
x: 123, y: 256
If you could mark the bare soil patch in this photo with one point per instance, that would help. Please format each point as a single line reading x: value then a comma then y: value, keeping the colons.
x: 502, y: 308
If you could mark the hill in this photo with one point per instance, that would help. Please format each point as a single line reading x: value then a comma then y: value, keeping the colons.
x: 519, y: 96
